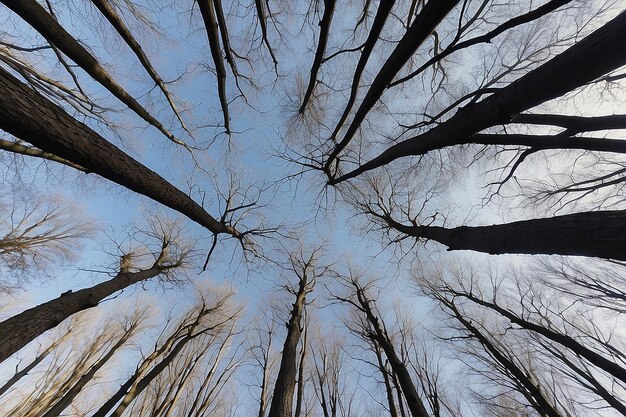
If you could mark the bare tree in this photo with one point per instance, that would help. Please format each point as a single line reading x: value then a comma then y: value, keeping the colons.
x: 35, y: 321
x: 304, y: 267
x: 37, y: 232
x: 74, y: 364
x: 209, y: 318
x: 373, y: 328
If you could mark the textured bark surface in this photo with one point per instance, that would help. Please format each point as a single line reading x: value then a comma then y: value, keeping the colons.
x: 284, y: 389
x: 207, y: 10
x: 19, y: 330
x: 38, y: 359
x: 33, y: 13
x: 34, y: 119
x: 599, y: 234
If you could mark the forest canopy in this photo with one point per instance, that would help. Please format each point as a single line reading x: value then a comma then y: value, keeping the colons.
x: 327, y: 208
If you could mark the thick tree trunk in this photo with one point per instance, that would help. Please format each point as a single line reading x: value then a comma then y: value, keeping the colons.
x: 36, y: 16
x: 300, y: 393
x: 594, y: 56
x: 34, y: 119
x: 599, y: 234
x: 533, y: 15
x: 284, y: 389
x: 19, y: 330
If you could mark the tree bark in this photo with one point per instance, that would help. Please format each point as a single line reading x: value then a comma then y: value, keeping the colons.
x: 19, y: 330
x: 384, y: 9
x: 38, y: 359
x: 207, y: 11
x: 282, y: 400
x: 36, y: 16
x: 34, y: 119
x: 600, y: 234
x: 432, y: 13
x: 416, y: 405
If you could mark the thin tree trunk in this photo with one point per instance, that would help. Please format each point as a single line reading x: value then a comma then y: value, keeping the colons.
x: 24, y: 371
x: 34, y: 119
x: 384, y: 9
x: 381, y: 366
x: 183, y: 332
x: 327, y: 18
x: 208, y: 16
x: 428, y: 19
x: 262, y: 17
x: 145, y: 381
x: 533, y: 392
x: 416, y: 405
x: 71, y: 394
x: 109, y: 12
x: 562, y: 339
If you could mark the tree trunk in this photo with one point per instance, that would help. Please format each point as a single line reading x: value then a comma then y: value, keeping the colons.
x: 385, y: 374
x: 34, y: 119
x: 71, y: 394
x: 599, y: 234
x: 327, y: 18
x: 300, y: 393
x: 384, y: 9
x: 22, y: 373
x: 564, y: 340
x: 416, y: 405
x: 432, y: 13
x: 208, y: 16
x: 145, y: 381
x: 282, y: 401
x: 532, y: 391
x: 19, y: 330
